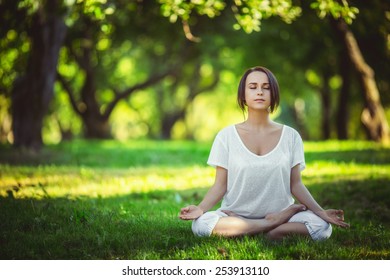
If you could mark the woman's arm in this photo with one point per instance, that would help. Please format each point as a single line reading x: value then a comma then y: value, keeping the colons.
x: 299, y: 190
x: 213, y: 196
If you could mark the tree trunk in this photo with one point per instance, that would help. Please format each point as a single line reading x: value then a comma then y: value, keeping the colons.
x: 96, y: 125
x: 299, y: 115
x: 373, y: 115
x: 168, y: 121
x: 97, y: 128
x: 344, y: 95
x: 33, y: 92
x: 326, y: 105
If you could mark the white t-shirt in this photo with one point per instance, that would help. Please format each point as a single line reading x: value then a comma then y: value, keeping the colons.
x: 257, y: 185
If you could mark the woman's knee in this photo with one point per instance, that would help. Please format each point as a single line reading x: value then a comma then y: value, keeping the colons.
x: 317, y: 227
x: 323, y: 232
x: 204, y: 225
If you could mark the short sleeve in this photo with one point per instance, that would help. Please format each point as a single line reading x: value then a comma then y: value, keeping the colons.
x: 219, y: 153
x: 298, y: 156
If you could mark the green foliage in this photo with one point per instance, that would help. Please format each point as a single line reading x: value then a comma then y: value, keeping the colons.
x: 30, y: 5
x: 14, y: 48
x: 250, y: 13
x: 120, y: 200
x: 174, y: 9
x: 337, y: 9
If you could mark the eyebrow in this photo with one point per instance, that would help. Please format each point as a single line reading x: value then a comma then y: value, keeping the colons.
x: 255, y: 83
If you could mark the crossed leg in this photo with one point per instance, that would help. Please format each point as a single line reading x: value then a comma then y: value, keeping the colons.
x: 288, y: 229
x: 274, y: 224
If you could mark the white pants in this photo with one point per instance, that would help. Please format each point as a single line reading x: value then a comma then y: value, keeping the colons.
x: 317, y: 227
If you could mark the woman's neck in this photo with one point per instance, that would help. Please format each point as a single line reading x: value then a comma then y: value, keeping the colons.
x: 258, y: 119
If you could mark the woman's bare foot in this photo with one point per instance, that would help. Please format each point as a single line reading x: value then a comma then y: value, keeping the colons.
x: 283, y: 216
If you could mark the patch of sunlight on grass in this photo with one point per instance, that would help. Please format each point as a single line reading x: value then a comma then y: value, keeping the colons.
x: 339, y: 146
x: 326, y: 170
x: 93, y: 182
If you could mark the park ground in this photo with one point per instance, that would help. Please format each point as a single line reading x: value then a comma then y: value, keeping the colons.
x: 120, y: 200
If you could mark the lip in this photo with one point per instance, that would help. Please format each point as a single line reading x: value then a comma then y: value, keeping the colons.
x: 260, y: 100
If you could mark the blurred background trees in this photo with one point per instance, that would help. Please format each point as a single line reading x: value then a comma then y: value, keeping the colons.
x: 170, y: 69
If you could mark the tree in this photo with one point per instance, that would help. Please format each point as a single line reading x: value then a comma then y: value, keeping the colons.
x: 373, y: 115
x: 32, y: 92
x: 83, y: 45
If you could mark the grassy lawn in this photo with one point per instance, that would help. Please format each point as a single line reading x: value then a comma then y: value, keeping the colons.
x: 112, y: 200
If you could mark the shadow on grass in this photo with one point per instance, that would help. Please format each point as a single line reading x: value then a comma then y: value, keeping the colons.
x: 364, y: 201
x: 136, y: 226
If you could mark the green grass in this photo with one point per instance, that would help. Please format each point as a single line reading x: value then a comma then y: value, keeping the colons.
x: 113, y: 200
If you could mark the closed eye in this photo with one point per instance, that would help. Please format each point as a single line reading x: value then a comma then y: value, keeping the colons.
x: 252, y: 86
x: 265, y: 87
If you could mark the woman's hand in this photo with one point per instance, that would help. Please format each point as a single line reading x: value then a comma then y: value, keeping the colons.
x: 333, y: 216
x: 191, y: 212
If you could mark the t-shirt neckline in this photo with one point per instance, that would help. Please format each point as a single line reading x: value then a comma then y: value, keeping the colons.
x: 249, y: 151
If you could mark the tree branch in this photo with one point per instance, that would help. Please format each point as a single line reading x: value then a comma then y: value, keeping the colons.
x: 119, y: 95
x: 188, y: 33
x: 212, y: 85
x: 194, y: 91
x: 69, y: 91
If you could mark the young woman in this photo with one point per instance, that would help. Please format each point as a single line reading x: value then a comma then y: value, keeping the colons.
x: 258, y: 171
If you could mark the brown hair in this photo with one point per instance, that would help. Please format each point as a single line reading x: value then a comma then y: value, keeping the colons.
x: 273, y: 83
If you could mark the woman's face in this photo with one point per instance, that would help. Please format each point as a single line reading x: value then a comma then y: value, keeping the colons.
x: 257, y: 91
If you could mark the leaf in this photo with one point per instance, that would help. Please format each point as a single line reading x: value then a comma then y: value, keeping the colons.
x: 223, y: 252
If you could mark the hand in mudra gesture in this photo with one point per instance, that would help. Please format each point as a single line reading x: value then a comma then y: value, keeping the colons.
x: 333, y: 216
x: 191, y: 212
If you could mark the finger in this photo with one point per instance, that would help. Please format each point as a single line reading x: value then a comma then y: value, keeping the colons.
x: 186, y: 218
x: 343, y: 225
x: 186, y: 215
x: 336, y: 221
x: 183, y: 213
x: 183, y: 217
x: 340, y: 215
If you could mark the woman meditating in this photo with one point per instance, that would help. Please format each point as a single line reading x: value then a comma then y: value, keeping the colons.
x: 258, y: 172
